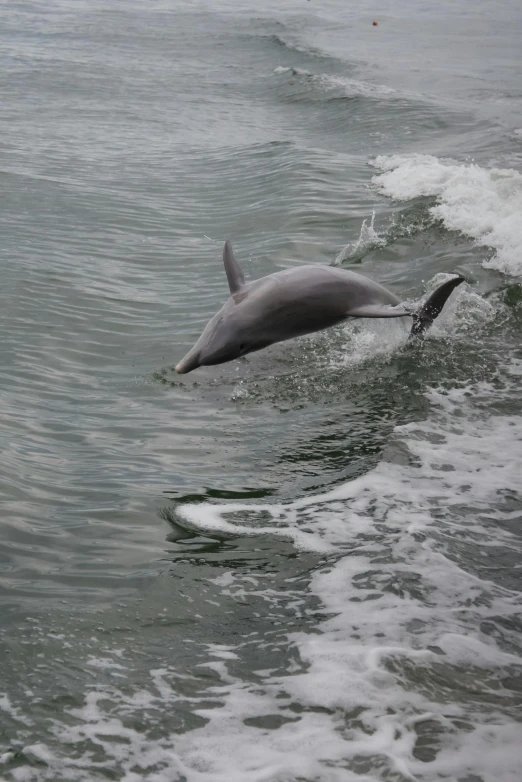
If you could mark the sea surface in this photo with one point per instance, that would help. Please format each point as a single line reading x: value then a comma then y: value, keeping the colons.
x: 348, y: 608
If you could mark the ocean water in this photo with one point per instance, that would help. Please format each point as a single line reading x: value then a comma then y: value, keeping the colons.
x: 302, y: 566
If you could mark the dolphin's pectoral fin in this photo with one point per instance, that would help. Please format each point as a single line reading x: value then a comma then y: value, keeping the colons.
x: 235, y: 276
x: 377, y: 311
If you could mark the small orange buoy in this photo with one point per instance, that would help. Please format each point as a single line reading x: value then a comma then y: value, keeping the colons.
x: 375, y: 24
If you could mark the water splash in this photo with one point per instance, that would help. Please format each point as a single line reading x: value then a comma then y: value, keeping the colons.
x: 368, y: 239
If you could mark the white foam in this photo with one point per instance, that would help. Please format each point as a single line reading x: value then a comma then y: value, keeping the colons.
x: 349, y: 88
x: 104, y: 663
x: 354, y: 87
x: 467, y: 650
x: 485, y: 204
x: 14, y: 712
x: 207, y: 519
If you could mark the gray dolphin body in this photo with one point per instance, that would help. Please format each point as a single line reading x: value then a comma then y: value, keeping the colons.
x: 298, y: 301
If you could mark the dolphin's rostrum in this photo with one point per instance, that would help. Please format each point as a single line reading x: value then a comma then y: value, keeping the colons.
x: 294, y: 302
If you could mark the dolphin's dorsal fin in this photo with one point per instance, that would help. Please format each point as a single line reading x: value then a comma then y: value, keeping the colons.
x: 235, y: 276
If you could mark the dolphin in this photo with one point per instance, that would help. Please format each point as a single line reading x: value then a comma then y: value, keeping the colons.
x: 298, y: 301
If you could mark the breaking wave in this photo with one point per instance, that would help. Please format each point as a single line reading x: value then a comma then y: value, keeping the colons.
x: 484, y: 204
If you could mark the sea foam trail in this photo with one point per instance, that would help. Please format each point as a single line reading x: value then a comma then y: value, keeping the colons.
x: 485, y: 204
x: 409, y: 672
x: 341, y: 85
x: 407, y: 607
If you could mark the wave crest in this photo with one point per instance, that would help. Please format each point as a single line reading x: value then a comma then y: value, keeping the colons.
x: 484, y: 204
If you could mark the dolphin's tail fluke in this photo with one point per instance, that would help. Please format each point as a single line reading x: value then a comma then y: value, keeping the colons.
x: 432, y: 307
